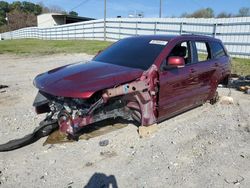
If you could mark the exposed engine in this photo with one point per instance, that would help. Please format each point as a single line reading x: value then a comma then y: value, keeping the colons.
x: 74, y: 113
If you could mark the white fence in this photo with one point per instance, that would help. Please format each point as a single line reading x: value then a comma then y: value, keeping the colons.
x: 234, y: 32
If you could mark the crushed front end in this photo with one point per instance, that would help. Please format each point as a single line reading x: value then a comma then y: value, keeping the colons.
x: 74, y: 113
x: 135, y: 100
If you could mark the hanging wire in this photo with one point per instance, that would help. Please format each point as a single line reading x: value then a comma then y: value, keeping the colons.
x: 80, y: 4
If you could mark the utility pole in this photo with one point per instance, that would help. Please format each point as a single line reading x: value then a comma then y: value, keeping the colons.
x: 160, y: 10
x: 105, y: 15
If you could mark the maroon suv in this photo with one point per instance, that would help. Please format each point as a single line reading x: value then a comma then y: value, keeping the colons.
x: 144, y: 78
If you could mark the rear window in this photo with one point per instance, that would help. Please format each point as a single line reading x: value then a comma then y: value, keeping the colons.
x: 132, y: 52
x: 217, y: 50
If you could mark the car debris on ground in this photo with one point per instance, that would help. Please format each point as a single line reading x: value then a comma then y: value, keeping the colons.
x: 104, y: 142
x: 241, y: 83
x: 2, y: 87
x: 147, y: 131
x: 226, y: 100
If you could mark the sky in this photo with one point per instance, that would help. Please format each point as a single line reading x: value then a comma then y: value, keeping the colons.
x: 150, y: 8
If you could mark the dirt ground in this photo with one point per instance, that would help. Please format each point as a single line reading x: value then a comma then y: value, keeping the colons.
x: 206, y: 147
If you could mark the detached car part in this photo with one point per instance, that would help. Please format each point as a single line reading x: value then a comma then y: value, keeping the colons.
x: 45, y: 128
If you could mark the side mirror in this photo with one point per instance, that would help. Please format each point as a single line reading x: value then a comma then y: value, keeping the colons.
x: 176, y: 61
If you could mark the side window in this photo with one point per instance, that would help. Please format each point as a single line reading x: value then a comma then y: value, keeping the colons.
x: 217, y: 50
x: 203, y: 51
x: 181, y: 50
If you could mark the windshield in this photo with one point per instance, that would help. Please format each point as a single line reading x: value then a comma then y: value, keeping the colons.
x: 132, y: 52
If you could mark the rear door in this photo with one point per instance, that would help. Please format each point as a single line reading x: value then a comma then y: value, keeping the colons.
x: 221, y: 59
x: 207, y: 70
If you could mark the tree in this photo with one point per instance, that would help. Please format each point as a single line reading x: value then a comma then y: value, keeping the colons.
x: 4, y: 6
x: 52, y: 9
x: 244, y: 12
x: 31, y: 8
x: 18, y: 19
x: 37, y: 10
x: 202, y: 13
x: 184, y: 15
x: 16, y: 5
x: 23, y: 14
x: 4, y: 28
x: 19, y: 14
x: 2, y: 20
x: 224, y: 15
x: 73, y: 13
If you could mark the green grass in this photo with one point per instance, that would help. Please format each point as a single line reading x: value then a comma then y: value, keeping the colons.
x: 241, y: 66
x: 43, y: 47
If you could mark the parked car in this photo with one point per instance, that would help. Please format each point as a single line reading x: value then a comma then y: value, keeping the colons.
x: 144, y: 78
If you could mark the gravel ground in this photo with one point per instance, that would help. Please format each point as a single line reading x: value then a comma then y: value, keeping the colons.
x: 206, y: 147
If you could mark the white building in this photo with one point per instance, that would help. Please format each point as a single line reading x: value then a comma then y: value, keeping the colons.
x: 54, y: 19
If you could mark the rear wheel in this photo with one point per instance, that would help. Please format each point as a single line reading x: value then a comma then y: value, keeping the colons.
x: 225, y: 81
x: 215, y: 98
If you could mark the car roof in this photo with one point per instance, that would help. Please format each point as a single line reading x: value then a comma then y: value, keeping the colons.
x: 170, y: 37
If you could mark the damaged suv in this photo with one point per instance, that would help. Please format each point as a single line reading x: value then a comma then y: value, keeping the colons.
x: 143, y: 78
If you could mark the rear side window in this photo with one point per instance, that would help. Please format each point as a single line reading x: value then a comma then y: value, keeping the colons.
x: 203, y: 51
x: 217, y: 50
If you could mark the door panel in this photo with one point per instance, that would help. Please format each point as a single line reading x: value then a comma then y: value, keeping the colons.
x: 206, y: 69
x: 187, y: 87
x: 176, y: 91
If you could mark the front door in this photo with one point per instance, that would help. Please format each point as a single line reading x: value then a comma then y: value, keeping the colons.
x: 177, y: 85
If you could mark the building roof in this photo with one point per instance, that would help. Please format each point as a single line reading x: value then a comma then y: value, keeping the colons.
x: 72, y: 19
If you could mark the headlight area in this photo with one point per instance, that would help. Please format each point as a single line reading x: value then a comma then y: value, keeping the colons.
x: 74, y: 113
x: 41, y: 103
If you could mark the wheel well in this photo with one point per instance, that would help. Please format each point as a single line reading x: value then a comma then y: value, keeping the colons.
x: 225, y: 80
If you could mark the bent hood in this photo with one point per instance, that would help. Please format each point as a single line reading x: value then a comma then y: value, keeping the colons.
x: 81, y: 80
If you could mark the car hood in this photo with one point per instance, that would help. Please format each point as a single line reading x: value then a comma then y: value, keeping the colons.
x: 81, y: 80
